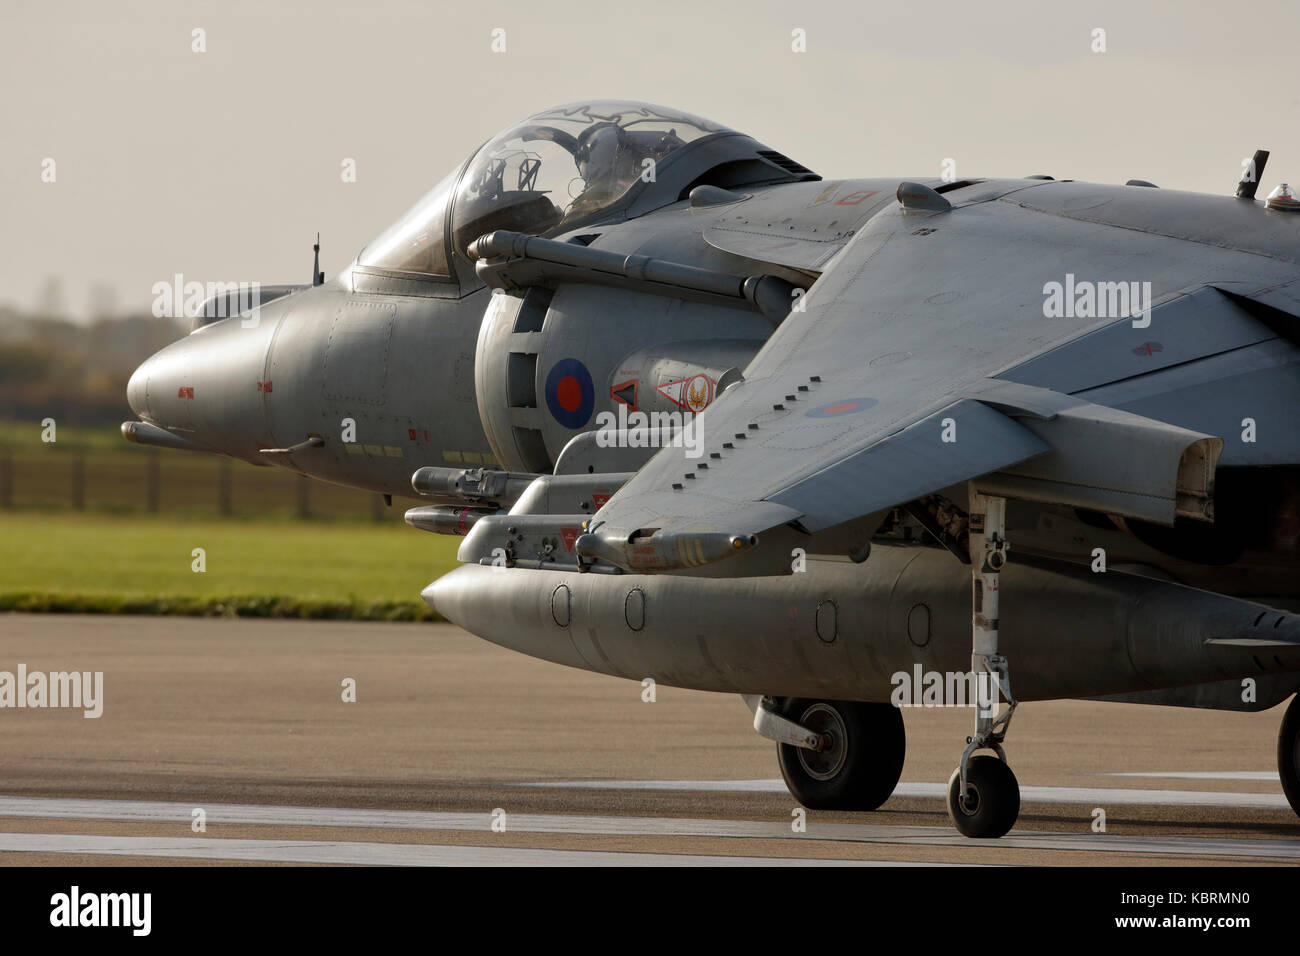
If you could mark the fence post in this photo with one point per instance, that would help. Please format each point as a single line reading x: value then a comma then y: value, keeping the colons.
x: 153, y: 481
x: 79, y: 480
x: 224, y: 481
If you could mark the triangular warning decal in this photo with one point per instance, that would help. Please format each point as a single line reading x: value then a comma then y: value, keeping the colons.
x: 672, y: 391
x: 624, y: 393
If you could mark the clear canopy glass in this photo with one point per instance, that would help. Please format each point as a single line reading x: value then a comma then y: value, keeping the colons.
x: 565, y: 166
x: 555, y: 170
x: 417, y: 242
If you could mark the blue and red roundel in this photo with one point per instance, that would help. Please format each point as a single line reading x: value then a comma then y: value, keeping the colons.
x: 570, y: 394
x: 841, y: 406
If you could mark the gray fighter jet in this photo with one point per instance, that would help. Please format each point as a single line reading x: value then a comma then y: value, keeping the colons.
x: 707, y: 419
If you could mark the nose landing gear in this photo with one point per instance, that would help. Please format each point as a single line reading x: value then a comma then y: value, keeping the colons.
x: 989, y: 803
x: 983, y: 793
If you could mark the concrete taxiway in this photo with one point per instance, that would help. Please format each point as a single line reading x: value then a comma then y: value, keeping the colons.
x: 459, y: 752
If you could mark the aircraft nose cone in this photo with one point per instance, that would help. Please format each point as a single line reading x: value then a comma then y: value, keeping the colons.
x: 438, y: 598
x: 209, y: 389
x: 137, y: 390
x: 456, y: 595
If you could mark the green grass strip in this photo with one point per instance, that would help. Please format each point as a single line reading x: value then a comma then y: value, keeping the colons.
x: 267, y: 606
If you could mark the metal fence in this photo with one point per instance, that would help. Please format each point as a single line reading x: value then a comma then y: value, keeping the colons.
x: 166, y: 481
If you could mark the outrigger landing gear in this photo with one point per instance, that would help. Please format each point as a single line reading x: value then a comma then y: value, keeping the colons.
x: 1288, y: 754
x: 834, y: 754
x: 983, y: 794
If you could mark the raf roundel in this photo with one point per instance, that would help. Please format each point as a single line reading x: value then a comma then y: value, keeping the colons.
x: 841, y: 406
x: 570, y: 394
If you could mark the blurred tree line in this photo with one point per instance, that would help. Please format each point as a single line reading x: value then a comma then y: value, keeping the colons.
x: 74, y: 372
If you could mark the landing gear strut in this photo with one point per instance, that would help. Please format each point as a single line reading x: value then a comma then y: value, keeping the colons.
x: 835, y: 754
x: 983, y: 794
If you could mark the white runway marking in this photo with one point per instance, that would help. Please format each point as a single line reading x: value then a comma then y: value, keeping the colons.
x: 249, y: 814
x: 1269, y: 776
x: 1098, y: 796
x: 372, y: 854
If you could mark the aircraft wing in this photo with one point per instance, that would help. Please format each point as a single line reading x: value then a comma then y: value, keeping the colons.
x: 882, y: 389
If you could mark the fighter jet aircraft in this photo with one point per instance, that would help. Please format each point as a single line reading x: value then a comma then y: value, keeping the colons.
x: 707, y: 419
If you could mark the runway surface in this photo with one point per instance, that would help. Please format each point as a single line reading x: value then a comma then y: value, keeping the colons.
x: 458, y: 752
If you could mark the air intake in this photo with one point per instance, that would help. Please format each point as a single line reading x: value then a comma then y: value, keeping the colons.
x: 785, y: 162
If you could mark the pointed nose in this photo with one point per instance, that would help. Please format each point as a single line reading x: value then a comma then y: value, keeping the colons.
x: 137, y: 391
x: 205, y: 389
x: 160, y: 390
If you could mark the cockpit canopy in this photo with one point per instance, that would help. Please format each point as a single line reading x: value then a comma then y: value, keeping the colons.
x: 565, y: 166
x: 555, y: 171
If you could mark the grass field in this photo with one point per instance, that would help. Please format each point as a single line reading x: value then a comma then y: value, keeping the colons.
x: 61, y: 561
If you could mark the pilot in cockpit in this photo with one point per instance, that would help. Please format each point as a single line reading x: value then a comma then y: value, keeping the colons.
x: 523, y: 181
x: 608, y: 158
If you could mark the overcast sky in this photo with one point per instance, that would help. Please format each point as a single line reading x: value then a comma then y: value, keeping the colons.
x: 222, y: 165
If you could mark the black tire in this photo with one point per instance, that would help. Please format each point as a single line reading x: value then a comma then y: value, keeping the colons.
x: 860, y: 769
x: 1288, y: 754
x: 993, y: 798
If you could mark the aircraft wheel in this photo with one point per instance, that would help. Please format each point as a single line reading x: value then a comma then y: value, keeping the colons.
x: 861, y: 763
x: 992, y: 800
x: 1288, y: 754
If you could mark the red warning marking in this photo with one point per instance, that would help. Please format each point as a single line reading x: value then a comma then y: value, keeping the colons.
x: 264, y: 386
x: 426, y: 434
x: 185, y: 391
x: 410, y: 433
x: 1148, y: 348
x: 854, y: 199
x: 570, y: 535
x: 598, y: 498
x: 625, y: 393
